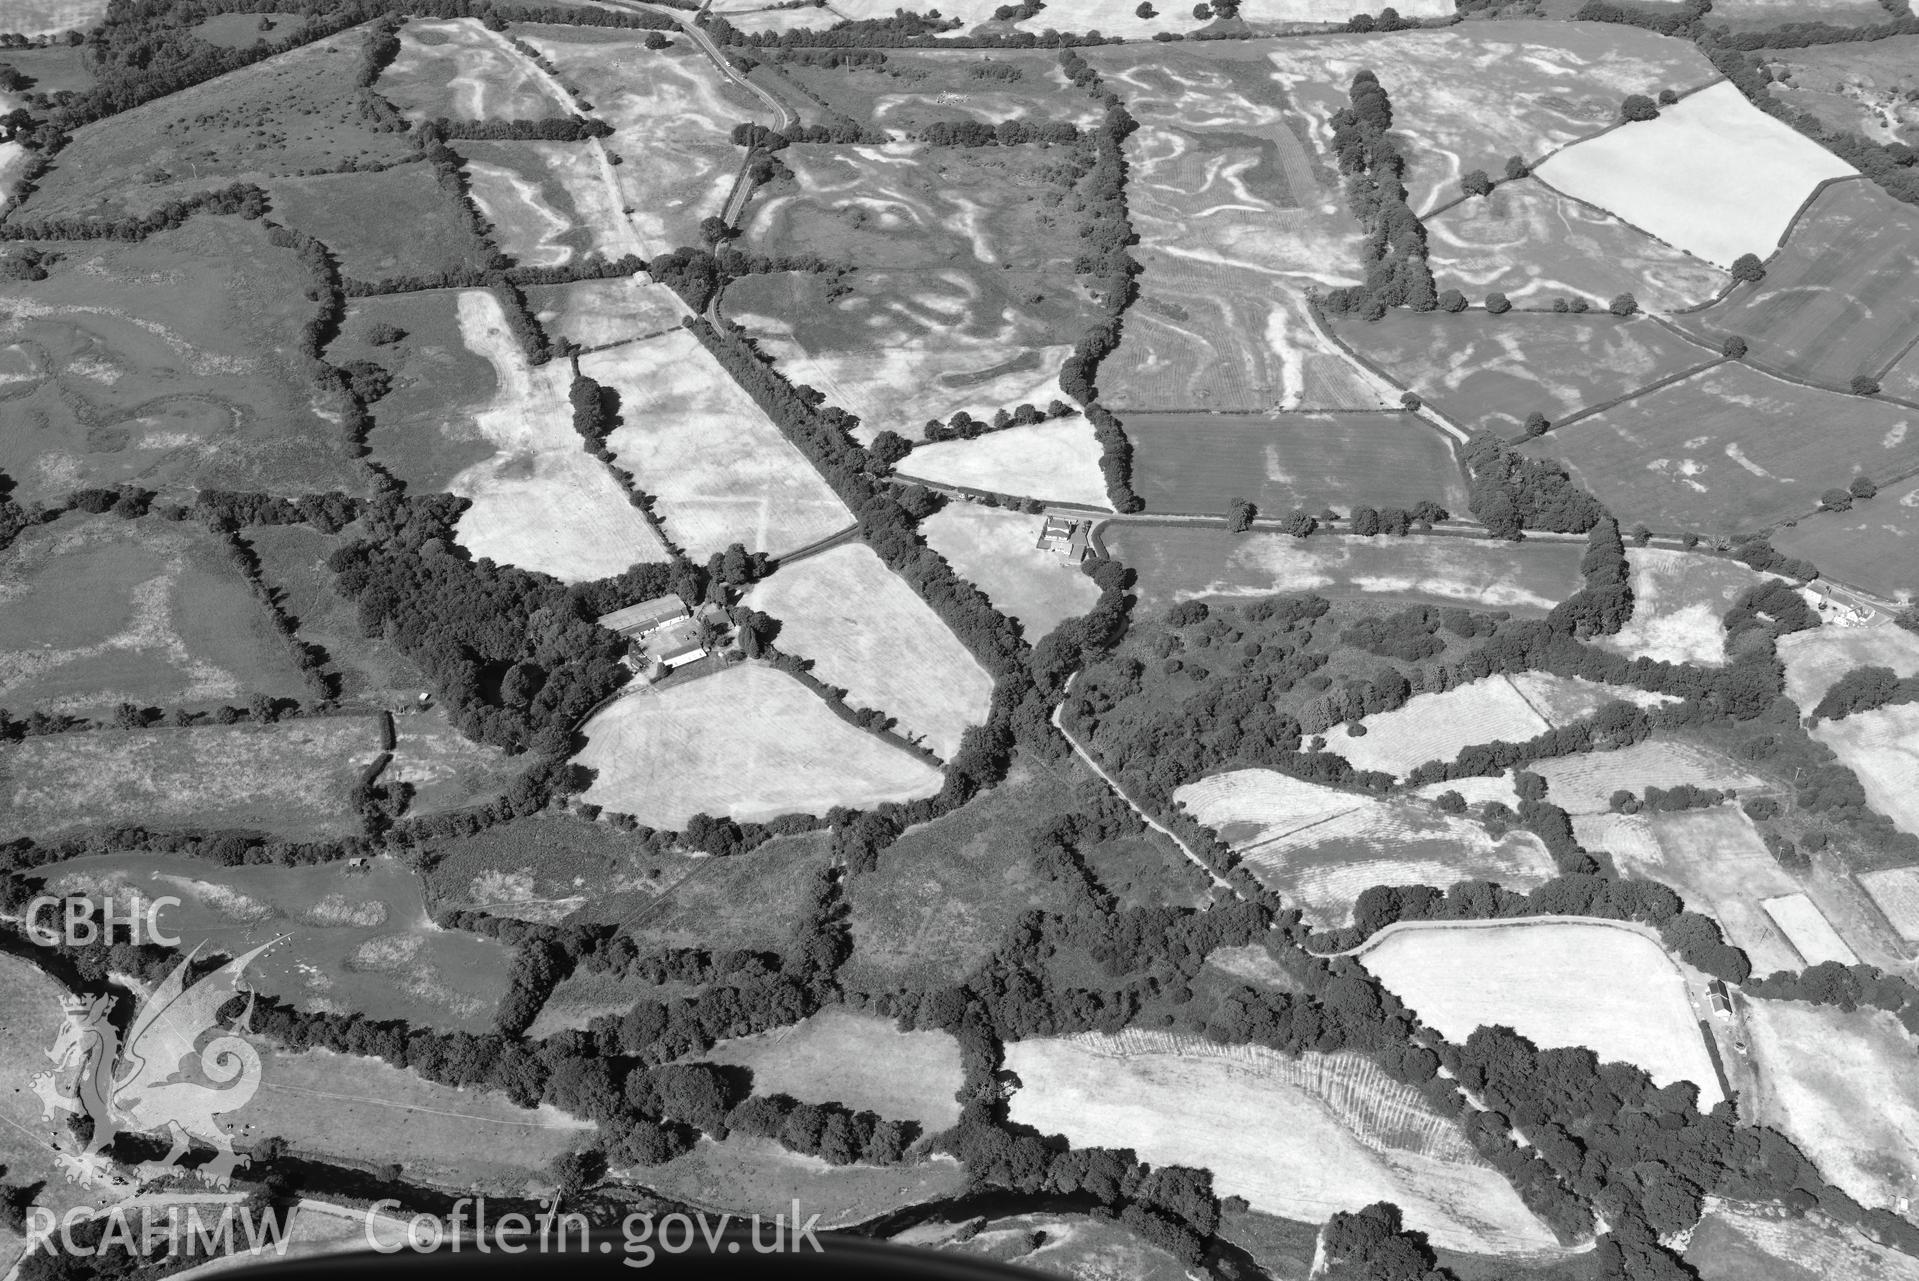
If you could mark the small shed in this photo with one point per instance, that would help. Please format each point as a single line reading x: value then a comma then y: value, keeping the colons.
x: 1719, y: 998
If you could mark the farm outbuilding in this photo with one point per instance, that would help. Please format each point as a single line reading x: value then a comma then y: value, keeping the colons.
x: 635, y: 621
x: 1066, y: 537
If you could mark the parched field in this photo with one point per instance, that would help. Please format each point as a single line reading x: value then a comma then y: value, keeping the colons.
x: 541, y: 501
x: 1903, y: 378
x: 1731, y: 449
x: 367, y: 1111
x: 758, y: 1176
x: 50, y: 17
x: 900, y: 347
x: 1584, y: 783
x: 1882, y: 748
x: 1679, y: 607
x: 1558, y: 982
x: 163, y: 620
x: 548, y: 202
x: 1816, y: 659
x: 1841, y: 1086
x: 396, y: 222
x: 542, y: 867
x: 672, y: 114
x: 1491, y: 371
x: 293, y: 114
x: 1180, y: 564
x: 867, y: 632
x: 1322, y: 848
x: 1286, y: 462
x: 859, y: 1060
x: 1435, y: 727
x: 460, y: 70
x: 423, y: 429
x: 292, y: 778
x: 721, y: 471
x: 1811, y: 934
x: 1565, y: 699
x: 446, y: 769
x: 1534, y: 244
x: 1861, y: 90
x: 996, y: 549
x: 1064, y: 1244
x: 1244, y: 1113
x: 1840, y: 299
x: 748, y: 742
x: 1713, y: 175
x: 593, y: 312
x: 1872, y: 545
x: 171, y: 363
x: 1054, y: 461
x: 30, y: 1012
x: 1738, y: 1244
x: 1895, y: 891
x: 354, y: 940
x: 757, y: 900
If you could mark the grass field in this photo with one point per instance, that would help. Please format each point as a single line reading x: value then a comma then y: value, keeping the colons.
x: 1558, y: 983
x: 1731, y: 449
x: 55, y: 66
x: 1882, y: 748
x: 672, y: 114
x: 1680, y: 601
x: 240, y: 30
x: 288, y: 115
x: 1842, y: 297
x: 355, y: 940
x: 749, y: 1176
x: 541, y: 501
x: 541, y: 868
x: 164, y: 621
x: 1584, y: 783
x: 1067, y: 1245
x: 995, y: 549
x: 50, y: 17
x: 1903, y: 378
x: 1861, y: 90
x: 423, y: 431
x: 1181, y: 564
x: 1242, y: 1113
x: 460, y: 70
x: 1868, y: 545
x: 1895, y: 891
x: 1322, y: 848
x: 1561, y: 700
x: 900, y: 347
x: 292, y: 778
x: 172, y: 363
x: 1740, y: 1244
x: 1534, y: 244
x: 1435, y: 727
x: 868, y: 633
x: 1713, y: 175
x: 365, y: 1111
x: 1764, y: 15
x: 748, y: 742
x: 721, y: 472
x: 30, y: 1012
x: 1810, y: 933
x: 1492, y: 371
x: 859, y: 1060
x: 1053, y: 461
x: 446, y: 769
x: 1281, y: 463
x: 548, y: 202
x: 756, y: 900
x: 1840, y: 1086
x: 1816, y: 659
x: 394, y: 223
x: 592, y: 312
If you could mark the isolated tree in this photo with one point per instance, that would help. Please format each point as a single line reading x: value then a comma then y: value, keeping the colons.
x: 1498, y: 304
x: 1452, y: 300
x: 1836, y: 500
x: 1623, y: 305
x: 1145, y: 10
x: 1747, y: 269
x: 1450, y: 802
x: 1365, y: 521
x: 1577, y: 305
x: 1537, y: 424
x: 1202, y: 12
x: 1516, y: 167
x: 1668, y: 96
x: 1410, y: 400
x: 1865, y: 385
x: 1862, y: 486
x: 1476, y: 183
x: 1638, y: 106
x: 1734, y: 347
x: 1299, y: 525
x: 384, y: 335
x: 1641, y: 535
x: 1240, y: 515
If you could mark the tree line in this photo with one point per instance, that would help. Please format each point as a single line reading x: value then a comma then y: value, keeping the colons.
x: 1394, y: 251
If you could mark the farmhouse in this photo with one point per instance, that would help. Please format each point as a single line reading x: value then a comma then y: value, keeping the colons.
x: 1833, y: 610
x: 662, y: 631
x: 1066, y: 537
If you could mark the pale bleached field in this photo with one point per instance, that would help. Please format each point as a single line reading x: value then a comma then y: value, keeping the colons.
x: 721, y: 471
x: 592, y: 312
x: 541, y: 502
x: 1713, y: 174
x: 1584, y: 783
x: 995, y: 548
x: 1558, y: 982
x: 1680, y: 601
x: 527, y: 224
x: 1248, y: 1114
x: 1896, y: 892
x: 1565, y: 699
x: 50, y: 17
x: 868, y: 633
x: 1882, y: 748
x: 1812, y: 935
x: 748, y: 742
x: 1434, y: 727
x: 1816, y: 659
x: 1054, y: 462
x: 864, y: 1062
x: 466, y: 71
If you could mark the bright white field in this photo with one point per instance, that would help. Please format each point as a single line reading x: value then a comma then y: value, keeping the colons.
x: 868, y: 633
x: 1680, y: 601
x: 1246, y: 1114
x: 1109, y: 17
x: 1478, y: 790
x: 721, y: 471
x: 1434, y: 727
x: 1584, y: 783
x: 748, y: 742
x: 1729, y: 1236
x: 864, y: 1062
x: 1882, y: 748
x: 1816, y: 659
x: 492, y: 80
x: 1811, y: 933
x: 1565, y: 699
x: 50, y: 17
x: 1896, y: 892
x: 1322, y: 848
x: 1556, y: 982
x: 592, y: 312
x: 541, y: 502
x: 995, y: 548
x: 1842, y: 1087
x: 1713, y: 175
x: 1056, y: 462
x: 528, y: 226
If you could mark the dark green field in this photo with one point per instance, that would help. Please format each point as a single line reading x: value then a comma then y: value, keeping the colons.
x: 421, y: 429
x: 393, y: 223
x: 1871, y: 546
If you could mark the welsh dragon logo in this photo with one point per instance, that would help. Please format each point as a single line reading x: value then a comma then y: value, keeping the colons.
x: 151, y: 1083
